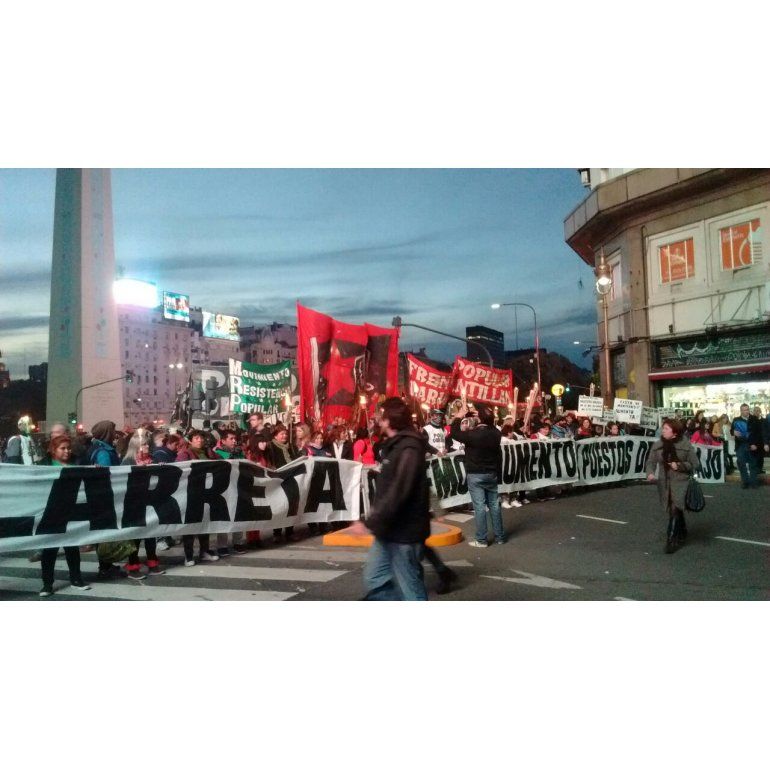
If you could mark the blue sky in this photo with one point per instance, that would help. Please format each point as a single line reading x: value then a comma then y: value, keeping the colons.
x: 435, y: 246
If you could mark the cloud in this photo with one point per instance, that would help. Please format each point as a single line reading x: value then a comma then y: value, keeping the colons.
x: 16, y: 280
x: 18, y: 323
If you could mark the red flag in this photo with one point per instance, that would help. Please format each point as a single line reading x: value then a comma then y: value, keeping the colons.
x: 483, y: 384
x: 339, y: 363
x: 314, y: 335
x: 382, y: 365
x: 347, y: 370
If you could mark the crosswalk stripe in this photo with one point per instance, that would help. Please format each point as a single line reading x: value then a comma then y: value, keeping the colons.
x: 461, y: 518
x: 229, y: 572
x: 222, y: 571
x: 287, y: 555
x: 145, y: 591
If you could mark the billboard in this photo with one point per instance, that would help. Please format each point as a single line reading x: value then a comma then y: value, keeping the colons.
x: 221, y: 327
x: 129, y: 291
x: 176, y: 307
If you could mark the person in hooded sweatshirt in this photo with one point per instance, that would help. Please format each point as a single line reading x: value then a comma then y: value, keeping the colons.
x: 102, y: 452
x: 674, y: 459
x: 400, y: 514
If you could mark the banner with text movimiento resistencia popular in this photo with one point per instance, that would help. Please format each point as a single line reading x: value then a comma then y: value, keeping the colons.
x: 264, y: 388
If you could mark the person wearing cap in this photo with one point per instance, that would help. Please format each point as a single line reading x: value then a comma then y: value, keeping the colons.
x: 434, y: 434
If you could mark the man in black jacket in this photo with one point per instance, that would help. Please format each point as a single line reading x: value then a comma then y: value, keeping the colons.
x: 482, y: 468
x: 400, y: 516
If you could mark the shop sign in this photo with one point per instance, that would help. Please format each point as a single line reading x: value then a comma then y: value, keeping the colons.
x: 708, y: 352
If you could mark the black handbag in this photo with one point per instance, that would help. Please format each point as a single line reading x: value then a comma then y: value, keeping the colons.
x: 693, y: 497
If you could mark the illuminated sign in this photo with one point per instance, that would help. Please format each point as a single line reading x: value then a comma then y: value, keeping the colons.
x: 128, y: 291
x: 221, y: 327
x: 176, y: 307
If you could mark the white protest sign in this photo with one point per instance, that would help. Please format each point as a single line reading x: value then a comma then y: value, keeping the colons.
x: 628, y: 410
x: 589, y: 406
x: 665, y: 414
x: 649, y: 419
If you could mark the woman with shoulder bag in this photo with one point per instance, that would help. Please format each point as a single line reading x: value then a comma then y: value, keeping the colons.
x: 674, y: 459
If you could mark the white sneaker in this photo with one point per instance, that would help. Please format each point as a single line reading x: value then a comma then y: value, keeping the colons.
x: 516, y: 504
x: 206, y: 556
x: 525, y: 501
x: 189, y: 563
x: 162, y: 545
x: 477, y: 544
x: 506, y: 504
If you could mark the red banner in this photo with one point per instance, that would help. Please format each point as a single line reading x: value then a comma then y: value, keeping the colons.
x: 314, y: 337
x: 339, y: 363
x: 382, y: 368
x: 428, y: 385
x: 347, y: 370
x: 483, y: 384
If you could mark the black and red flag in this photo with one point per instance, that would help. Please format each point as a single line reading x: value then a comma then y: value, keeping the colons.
x: 343, y: 368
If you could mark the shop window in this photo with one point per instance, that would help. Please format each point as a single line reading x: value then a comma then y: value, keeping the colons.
x: 740, y: 245
x: 677, y: 261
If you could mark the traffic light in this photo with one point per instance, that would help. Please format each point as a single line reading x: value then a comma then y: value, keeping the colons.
x: 566, y: 388
x: 129, y: 376
x: 73, y: 418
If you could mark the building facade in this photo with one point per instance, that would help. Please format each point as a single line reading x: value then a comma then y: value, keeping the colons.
x: 491, y: 339
x: 689, y: 304
x: 269, y: 344
x: 162, y: 354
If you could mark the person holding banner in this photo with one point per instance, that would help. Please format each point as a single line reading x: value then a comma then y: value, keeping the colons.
x: 673, y: 458
x: 483, y: 468
x: 281, y: 453
x: 59, y: 453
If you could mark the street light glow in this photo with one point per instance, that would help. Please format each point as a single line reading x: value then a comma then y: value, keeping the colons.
x: 495, y: 306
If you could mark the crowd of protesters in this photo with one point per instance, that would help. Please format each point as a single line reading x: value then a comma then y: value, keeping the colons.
x: 273, y: 446
x: 269, y: 445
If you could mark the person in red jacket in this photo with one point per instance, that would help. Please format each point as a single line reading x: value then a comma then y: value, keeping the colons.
x: 363, y: 452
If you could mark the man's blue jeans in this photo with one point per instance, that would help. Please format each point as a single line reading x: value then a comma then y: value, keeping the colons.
x: 483, y: 491
x: 747, y: 464
x: 393, y: 572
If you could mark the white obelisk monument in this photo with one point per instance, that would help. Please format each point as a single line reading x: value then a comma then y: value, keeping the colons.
x: 83, y: 343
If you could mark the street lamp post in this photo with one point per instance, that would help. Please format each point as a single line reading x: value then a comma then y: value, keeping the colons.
x: 176, y: 368
x: 398, y: 324
x: 603, y: 274
x: 498, y: 305
x: 128, y: 376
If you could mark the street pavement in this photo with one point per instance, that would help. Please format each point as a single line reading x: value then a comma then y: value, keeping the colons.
x: 596, y: 543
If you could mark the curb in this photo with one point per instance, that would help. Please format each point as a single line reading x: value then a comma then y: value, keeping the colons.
x: 440, y: 535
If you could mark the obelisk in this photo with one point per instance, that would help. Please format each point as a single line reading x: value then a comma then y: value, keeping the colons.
x: 83, y: 342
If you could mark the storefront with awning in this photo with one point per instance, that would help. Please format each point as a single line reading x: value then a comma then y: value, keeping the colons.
x: 713, y: 373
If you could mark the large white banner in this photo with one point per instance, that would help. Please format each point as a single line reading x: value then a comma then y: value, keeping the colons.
x: 76, y: 505
x: 529, y: 465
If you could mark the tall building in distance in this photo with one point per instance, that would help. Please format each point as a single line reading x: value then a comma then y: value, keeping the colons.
x: 83, y: 347
x: 269, y: 344
x: 491, y: 339
x: 686, y: 284
x: 162, y: 349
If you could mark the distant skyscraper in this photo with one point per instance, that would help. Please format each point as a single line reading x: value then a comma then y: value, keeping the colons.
x: 83, y: 347
x: 491, y: 339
